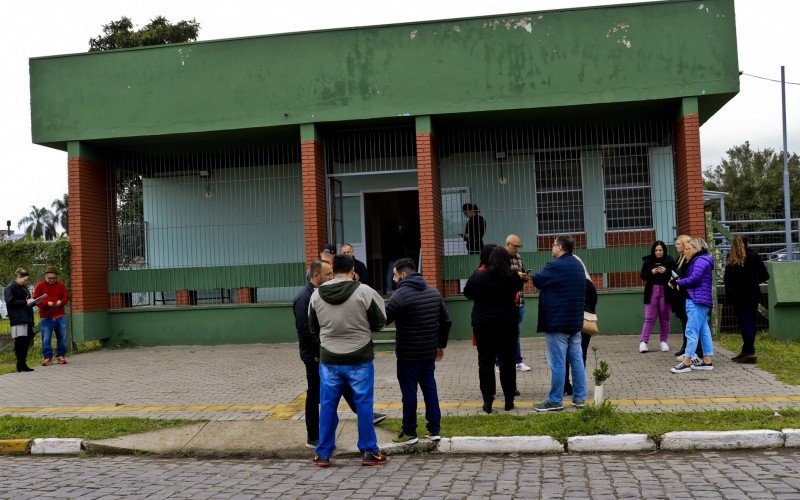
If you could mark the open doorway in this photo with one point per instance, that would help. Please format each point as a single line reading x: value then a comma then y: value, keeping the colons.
x: 391, y: 226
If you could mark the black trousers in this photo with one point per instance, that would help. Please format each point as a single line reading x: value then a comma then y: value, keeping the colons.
x: 312, y: 399
x: 21, y: 346
x: 585, y: 339
x: 498, y: 342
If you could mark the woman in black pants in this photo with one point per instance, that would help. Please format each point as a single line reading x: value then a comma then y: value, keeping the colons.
x: 20, y: 313
x: 589, y: 306
x: 744, y: 273
x: 495, y: 321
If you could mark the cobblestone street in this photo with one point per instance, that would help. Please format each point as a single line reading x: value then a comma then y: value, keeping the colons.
x: 733, y: 475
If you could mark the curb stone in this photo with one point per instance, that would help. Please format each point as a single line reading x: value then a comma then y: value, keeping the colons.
x: 56, y: 446
x: 15, y: 446
x: 510, y: 444
x: 791, y: 438
x: 610, y: 443
x: 721, y: 440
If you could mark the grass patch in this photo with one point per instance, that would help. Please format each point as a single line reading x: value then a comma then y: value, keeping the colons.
x: 608, y: 420
x: 8, y: 362
x: 779, y: 357
x: 12, y: 427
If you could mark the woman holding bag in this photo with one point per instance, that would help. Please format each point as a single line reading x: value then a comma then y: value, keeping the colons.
x: 586, y: 334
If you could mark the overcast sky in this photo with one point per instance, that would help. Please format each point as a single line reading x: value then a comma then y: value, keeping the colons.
x: 36, y: 175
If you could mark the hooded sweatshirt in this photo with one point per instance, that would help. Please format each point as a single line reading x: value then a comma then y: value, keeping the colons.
x: 345, y: 313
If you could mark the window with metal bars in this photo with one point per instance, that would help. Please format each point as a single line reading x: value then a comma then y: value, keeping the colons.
x: 627, y: 188
x: 559, y: 192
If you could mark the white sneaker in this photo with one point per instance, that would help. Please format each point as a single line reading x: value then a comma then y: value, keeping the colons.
x: 496, y: 369
x: 643, y: 347
x: 664, y: 347
x: 523, y: 367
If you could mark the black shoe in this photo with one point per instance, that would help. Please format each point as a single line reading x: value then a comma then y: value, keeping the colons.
x: 373, y: 458
x: 378, y: 418
x: 25, y: 368
x: 517, y: 393
x: 738, y: 357
x: 747, y: 359
x: 679, y: 354
x: 487, y: 407
x: 509, y: 405
x: 548, y: 406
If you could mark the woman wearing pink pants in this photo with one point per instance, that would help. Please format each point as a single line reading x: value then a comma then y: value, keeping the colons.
x: 656, y: 272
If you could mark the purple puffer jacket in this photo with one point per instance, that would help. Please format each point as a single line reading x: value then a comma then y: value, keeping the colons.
x: 698, y: 280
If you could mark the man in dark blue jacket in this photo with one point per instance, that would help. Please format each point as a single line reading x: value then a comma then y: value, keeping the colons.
x: 319, y: 272
x: 423, y: 326
x: 562, y: 283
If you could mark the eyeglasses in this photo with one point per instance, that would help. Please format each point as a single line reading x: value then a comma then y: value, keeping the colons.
x: 516, y: 246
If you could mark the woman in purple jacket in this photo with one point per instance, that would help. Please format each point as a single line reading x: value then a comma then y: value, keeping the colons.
x: 697, y: 283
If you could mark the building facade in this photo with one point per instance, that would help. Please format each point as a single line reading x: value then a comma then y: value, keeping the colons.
x: 204, y: 177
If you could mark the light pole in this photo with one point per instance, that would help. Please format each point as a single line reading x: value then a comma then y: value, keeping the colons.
x: 8, y: 225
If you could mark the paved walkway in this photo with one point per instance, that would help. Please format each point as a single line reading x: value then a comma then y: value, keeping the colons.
x: 268, y: 381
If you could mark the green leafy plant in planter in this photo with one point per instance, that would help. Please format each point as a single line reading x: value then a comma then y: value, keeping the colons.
x: 601, y: 373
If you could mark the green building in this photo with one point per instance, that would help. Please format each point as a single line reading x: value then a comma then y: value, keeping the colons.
x: 204, y: 177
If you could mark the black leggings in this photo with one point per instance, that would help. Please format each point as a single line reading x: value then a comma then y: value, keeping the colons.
x: 585, y: 339
x: 21, y: 346
x: 493, y: 343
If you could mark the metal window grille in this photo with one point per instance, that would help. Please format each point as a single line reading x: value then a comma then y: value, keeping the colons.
x: 628, y: 190
x: 559, y: 192
x: 370, y: 151
x: 204, y: 206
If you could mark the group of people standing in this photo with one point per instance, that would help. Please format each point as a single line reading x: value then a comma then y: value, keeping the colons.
x: 685, y: 287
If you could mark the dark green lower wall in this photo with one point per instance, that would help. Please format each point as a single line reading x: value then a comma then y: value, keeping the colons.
x: 619, y: 312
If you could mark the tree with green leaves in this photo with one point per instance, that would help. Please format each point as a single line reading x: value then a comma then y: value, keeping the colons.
x: 39, y: 224
x: 159, y: 31
x: 753, y: 180
x: 60, y: 207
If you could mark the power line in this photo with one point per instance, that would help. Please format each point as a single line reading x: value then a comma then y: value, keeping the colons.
x: 768, y: 79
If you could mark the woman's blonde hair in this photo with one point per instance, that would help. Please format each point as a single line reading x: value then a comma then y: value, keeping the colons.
x: 737, y: 254
x: 683, y: 238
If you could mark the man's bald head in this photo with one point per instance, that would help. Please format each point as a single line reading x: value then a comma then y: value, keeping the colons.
x: 513, y: 244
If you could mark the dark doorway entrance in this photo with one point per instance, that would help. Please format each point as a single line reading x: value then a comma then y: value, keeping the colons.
x: 391, y: 224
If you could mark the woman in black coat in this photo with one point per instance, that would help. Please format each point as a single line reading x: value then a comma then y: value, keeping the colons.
x: 656, y: 272
x: 744, y: 272
x: 495, y: 322
x: 20, y: 313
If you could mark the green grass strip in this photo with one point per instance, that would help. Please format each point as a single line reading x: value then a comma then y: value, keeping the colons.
x: 12, y: 427
x: 607, y: 420
x: 779, y: 357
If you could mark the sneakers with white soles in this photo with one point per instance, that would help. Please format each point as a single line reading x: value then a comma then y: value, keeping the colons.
x: 643, y: 347
x: 664, y: 347
x: 522, y: 367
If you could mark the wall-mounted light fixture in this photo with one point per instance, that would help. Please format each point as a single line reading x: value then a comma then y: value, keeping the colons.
x: 500, y: 156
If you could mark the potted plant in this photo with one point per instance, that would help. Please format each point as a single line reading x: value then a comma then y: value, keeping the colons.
x: 600, y: 374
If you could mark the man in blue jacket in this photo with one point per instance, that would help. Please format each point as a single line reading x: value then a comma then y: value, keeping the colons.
x: 562, y: 283
x: 423, y: 326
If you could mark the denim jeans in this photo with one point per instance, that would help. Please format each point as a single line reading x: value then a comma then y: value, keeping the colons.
x: 411, y: 374
x: 333, y: 379
x: 560, y: 347
x: 697, y: 329
x: 518, y: 354
x: 47, y: 326
x: 312, y: 400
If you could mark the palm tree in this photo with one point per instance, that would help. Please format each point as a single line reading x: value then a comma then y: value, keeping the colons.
x: 60, y: 212
x: 39, y: 224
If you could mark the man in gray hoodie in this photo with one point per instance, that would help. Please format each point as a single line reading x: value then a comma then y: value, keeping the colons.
x: 345, y: 313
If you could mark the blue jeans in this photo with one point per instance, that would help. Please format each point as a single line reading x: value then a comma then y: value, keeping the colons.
x: 697, y: 329
x: 47, y: 325
x: 333, y: 379
x: 411, y: 374
x: 560, y: 347
x: 518, y: 355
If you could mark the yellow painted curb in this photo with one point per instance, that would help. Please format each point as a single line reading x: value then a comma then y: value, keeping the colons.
x: 15, y: 446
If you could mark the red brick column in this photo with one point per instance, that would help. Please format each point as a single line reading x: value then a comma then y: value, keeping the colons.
x: 185, y: 298
x: 688, y: 177
x: 314, y: 210
x: 430, y: 210
x: 88, y: 236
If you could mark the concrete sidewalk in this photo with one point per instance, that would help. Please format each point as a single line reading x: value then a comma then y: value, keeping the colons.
x: 267, y: 381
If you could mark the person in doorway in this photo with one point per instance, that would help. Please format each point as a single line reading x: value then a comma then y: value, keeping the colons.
x: 52, y: 317
x: 362, y: 274
x: 344, y: 313
x: 321, y: 272
x: 744, y: 273
x: 20, y: 314
x: 698, y: 284
x: 495, y: 323
x: 475, y: 229
x: 562, y: 283
x: 392, y: 248
x: 513, y: 246
x: 590, y: 306
x: 423, y: 326
x: 656, y: 272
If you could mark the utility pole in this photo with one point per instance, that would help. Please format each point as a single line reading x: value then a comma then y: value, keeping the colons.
x: 787, y: 212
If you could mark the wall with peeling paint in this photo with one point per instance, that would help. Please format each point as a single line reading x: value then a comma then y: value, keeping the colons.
x: 644, y: 52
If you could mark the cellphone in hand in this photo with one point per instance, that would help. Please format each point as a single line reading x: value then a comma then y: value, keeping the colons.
x: 674, y: 274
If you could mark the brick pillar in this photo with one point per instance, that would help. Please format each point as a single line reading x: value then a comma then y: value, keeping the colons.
x: 315, y: 216
x: 185, y: 298
x: 245, y: 295
x: 88, y: 236
x: 430, y: 210
x: 688, y: 177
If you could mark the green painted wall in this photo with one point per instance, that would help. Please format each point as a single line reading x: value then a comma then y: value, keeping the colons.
x: 644, y: 52
x: 594, y: 214
x: 784, y: 299
x: 90, y: 326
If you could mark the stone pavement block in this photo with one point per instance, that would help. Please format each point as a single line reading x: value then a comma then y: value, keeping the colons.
x: 56, y: 446
x: 721, y: 440
x: 611, y: 443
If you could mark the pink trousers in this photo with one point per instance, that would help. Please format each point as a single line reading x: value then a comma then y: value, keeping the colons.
x: 657, y: 308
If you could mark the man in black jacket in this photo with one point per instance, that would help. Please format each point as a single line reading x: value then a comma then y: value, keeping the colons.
x: 20, y: 314
x: 362, y: 274
x: 423, y: 326
x: 319, y: 272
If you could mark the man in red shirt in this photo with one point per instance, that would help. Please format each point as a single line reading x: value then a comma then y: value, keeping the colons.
x: 52, y: 317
